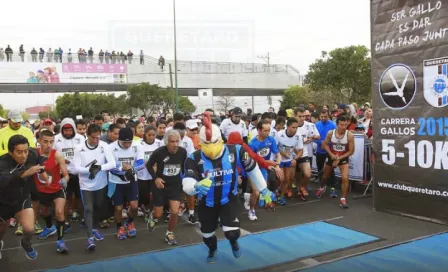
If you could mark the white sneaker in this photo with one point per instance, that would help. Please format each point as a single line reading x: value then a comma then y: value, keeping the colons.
x: 124, y: 214
x: 182, y: 210
x: 140, y: 213
x: 252, y: 216
x: 12, y: 222
x: 1, y: 247
x: 247, y: 201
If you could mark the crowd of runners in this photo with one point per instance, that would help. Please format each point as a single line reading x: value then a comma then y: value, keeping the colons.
x: 108, y: 172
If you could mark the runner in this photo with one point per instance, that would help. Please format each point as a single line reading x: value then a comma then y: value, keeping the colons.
x: 308, y: 132
x: 16, y: 167
x: 52, y: 191
x: 65, y: 143
x: 170, y: 161
x: 123, y: 187
x: 148, y: 144
x: 234, y: 123
x: 81, y: 128
x: 290, y: 145
x: 212, y: 174
x: 340, y: 145
x: 92, y: 160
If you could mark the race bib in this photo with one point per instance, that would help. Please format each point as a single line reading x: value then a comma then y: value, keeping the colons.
x: 68, y: 153
x: 339, y: 147
x: 147, y: 155
x: 304, y: 137
x: 124, y: 161
x: 287, y: 149
x: 264, y: 152
x: 171, y: 170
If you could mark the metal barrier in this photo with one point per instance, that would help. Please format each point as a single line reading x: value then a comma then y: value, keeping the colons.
x: 183, y: 66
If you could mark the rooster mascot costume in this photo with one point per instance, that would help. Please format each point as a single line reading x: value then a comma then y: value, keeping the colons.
x: 212, y: 174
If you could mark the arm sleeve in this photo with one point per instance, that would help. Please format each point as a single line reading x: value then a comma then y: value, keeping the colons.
x: 110, y: 160
x: 139, y: 163
x: 77, y: 162
x: 153, y: 160
x: 257, y: 178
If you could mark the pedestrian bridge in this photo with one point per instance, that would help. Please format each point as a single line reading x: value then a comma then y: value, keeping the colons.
x: 225, y: 78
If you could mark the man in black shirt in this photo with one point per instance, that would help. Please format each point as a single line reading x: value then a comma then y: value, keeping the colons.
x: 16, y: 171
x: 167, y: 185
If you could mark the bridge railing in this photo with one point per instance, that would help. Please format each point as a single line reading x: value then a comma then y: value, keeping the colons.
x: 152, y: 64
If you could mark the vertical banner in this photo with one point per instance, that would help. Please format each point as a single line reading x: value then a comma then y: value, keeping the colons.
x: 409, y: 74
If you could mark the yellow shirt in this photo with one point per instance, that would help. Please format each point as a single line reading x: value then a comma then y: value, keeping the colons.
x: 7, y: 132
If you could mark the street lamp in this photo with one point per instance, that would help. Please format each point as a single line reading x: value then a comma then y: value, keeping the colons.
x: 175, y: 57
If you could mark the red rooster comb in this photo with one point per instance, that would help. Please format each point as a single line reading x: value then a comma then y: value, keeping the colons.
x: 207, y: 121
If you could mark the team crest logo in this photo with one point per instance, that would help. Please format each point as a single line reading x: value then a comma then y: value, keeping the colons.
x: 78, y: 141
x: 231, y: 158
x: 134, y: 148
x: 435, y: 81
x: 102, y: 150
x: 397, y: 86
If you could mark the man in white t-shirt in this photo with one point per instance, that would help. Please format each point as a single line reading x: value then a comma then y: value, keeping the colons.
x: 234, y: 123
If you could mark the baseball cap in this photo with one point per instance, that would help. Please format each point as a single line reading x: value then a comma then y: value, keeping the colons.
x: 15, y: 116
x: 47, y: 122
x: 237, y: 111
x: 126, y: 134
x: 192, y: 124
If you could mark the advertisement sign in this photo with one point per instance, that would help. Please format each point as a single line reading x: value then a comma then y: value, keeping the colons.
x: 409, y: 74
x: 53, y: 73
x: 356, y: 161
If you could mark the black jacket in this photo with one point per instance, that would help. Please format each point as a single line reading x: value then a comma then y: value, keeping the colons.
x: 13, y: 188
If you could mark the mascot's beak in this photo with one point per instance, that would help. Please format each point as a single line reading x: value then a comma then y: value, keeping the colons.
x: 212, y: 150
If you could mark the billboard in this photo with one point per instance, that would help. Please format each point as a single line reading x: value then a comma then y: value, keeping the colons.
x: 53, y: 73
x: 410, y: 98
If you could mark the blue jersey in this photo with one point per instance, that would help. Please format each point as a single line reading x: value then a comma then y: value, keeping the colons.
x: 265, y: 148
x: 223, y: 172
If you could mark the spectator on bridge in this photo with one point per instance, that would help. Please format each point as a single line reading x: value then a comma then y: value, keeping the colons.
x: 34, y: 55
x: 22, y: 53
x: 161, y: 62
x: 41, y: 54
x: 130, y: 57
x: 61, y: 52
x: 69, y: 56
x: 2, y: 54
x: 122, y: 57
x: 8, y: 52
x: 49, y: 55
x: 90, y: 53
x: 142, y: 58
x: 101, y: 56
x: 113, y: 57
x: 56, y: 55
x: 107, y: 56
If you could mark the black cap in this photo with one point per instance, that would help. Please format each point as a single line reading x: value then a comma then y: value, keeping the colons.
x: 126, y: 134
x: 237, y: 111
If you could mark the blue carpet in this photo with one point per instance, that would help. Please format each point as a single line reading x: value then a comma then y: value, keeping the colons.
x: 429, y: 254
x: 259, y: 250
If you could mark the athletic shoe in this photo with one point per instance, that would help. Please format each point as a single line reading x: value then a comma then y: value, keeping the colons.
x: 170, y: 239
x: 140, y: 212
x: 211, y: 258
x: 132, y: 232
x: 333, y: 193
x: 321, y: 191
x: 91, y: 244
x: 182, y: 210
x: 192, y: 219
x: 67, y: 227
x: 124, y: 214
x: 236, y: 250
x: 282, y: 201
x: 1, y: 247
x: 30, y: 252
x: 151, y: 225
x: 104, y: 224
x: 47, y: 232
x: 111, y: 219
x: 60, y: 247
x: 19, y: 230
x: 97, y: 235
x: 37, y: 228
x: 344, y: 204
x: 121, y: 234
x: 252, y: 216
x: 83, y: 224
x: 167, y: 218
x: 75, y: 216
x: 12, y: 222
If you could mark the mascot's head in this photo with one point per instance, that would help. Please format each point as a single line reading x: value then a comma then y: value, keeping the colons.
x: 211, y: 143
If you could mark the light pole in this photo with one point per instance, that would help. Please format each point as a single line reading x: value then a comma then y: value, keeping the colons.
x: 175, y: 57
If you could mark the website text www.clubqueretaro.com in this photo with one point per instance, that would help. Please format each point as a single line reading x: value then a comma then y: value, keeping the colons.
x: 411, y: 189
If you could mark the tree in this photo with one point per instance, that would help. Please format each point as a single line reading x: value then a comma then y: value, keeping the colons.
x: 52, y: 114
x: 296, y: 95
x: 5, y: 113
x: 2, y: 111
x: 146, y: 97
x: 185, y: 105
x: 343, y: 70
x: 224, y: 103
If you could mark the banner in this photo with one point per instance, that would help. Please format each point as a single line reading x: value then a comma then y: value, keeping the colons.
x: 53, y: 73
x: 409, y: 74
x: 356, y: 161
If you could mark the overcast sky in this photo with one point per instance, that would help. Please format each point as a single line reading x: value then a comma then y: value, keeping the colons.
x: 292, y: 31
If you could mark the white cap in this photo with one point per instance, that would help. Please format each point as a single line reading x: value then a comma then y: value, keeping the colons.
x: 191, y: 124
